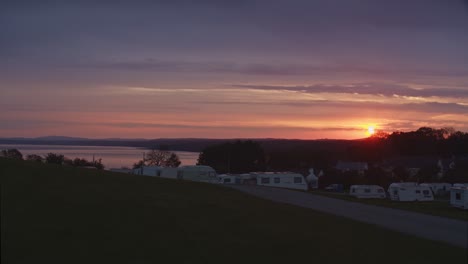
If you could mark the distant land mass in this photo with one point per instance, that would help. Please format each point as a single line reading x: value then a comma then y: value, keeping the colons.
x: 178, y: 144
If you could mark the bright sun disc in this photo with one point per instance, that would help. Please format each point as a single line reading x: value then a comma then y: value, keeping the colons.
x: 371, y: 130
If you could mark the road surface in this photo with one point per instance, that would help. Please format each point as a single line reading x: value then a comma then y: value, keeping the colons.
x: 454, y: 232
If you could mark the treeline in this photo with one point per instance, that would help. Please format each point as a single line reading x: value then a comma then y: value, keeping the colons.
x: 300, y: 155
x: 52, y: 158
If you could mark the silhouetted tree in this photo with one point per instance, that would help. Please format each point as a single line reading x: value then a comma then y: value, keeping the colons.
x: 427, y: 174
x: 162, y: 158
x: 98, y: 164
x: 34, y: 157
x: 234, y: 157
x: 401, y: 173
x: 12, y: 154
x: 54, y: 158
x: 138, y: 164
x: 173, y: 161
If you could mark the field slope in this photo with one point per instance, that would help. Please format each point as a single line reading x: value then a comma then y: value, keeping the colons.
x: 60, y: 214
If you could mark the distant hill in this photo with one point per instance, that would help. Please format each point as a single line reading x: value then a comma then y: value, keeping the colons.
x: 55, y: 138
x: 177, y: 144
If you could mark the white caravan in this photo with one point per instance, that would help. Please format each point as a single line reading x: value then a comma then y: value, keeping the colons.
x: 229, y: 179
x: 288, y: 180
x: 147, y: 170
x: 459, y: 197
x: 409, y: 191
x: 197, y: 173
x: 438, y: 189
x: 157, y: 171
x: 367, y: 191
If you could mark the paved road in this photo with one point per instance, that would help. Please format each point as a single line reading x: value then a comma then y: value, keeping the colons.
x: 454, y: 232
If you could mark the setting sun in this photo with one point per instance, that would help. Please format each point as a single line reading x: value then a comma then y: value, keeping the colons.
x: 370, y: 130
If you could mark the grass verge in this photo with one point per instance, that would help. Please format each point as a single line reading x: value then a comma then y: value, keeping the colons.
x: 55, y: 214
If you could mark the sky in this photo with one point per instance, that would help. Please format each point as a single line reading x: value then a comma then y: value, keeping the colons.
x: 306, y: 69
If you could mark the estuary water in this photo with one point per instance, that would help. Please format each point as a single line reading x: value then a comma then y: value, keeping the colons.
x: 112, y: 157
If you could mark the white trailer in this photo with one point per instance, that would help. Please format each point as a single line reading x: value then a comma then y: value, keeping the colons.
x: 409, y: 191
x: 438, y: 189
x: 197, y: 173
x: 367, y: 191
x: 229, y: 179
x: 288, y: 180
x: 147, y: 170
x: 459, y: 197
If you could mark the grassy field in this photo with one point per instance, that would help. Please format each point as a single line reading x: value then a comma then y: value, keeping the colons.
x: 437, y: 207
x: 53, y: 214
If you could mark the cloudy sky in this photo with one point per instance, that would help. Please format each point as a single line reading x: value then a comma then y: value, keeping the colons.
x: 232, y: 69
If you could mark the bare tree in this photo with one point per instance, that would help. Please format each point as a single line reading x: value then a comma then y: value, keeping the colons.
x: 162, y: 158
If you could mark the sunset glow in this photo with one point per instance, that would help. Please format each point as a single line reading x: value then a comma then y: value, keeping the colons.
x: 255, y: 73
x: 370, y: 130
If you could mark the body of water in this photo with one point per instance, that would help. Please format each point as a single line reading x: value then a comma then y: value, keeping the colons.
x: 112, y: 157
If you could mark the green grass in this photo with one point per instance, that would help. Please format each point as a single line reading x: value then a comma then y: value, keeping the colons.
x: 53, y: 214
x: 436, y: 207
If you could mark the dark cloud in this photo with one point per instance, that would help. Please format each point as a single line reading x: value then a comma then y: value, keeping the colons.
x: 370, y: 89
x: 154, y: 65
x: 429, y: 107
x: 227, y: 127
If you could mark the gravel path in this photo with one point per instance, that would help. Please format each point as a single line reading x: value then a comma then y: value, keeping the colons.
x: 454, y: 232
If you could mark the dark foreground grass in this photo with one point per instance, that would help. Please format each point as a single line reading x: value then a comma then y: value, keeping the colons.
x: 52, y: 214
x: 437, y: 207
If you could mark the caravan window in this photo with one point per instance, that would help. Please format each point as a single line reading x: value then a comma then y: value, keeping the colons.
x: 425, y: 192
x: 277, y: 180
x: 265, y: 180
x: 458, y: 196
x: 352, y: 190
x: 227, y: 180
x: 418, y: 191
x: 367, y: 190
x: 297, y: 180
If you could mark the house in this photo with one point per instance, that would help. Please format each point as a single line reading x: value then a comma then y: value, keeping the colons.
x: 409, y: 191
x: 367, y: 191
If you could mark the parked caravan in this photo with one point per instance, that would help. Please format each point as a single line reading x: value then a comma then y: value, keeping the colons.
x: 197, y: 173
x: 156, y: 171
x: 147, y: 170
x: 128, y: 171
x: 367, y: 191
x: 248, y: 179
x: 170, y: 173
x: 336, y: 187
x: 281, y: 179
x: 409, y: 191
x: 229, y: 179
x: 459, y: 197
x: 438, y: 189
